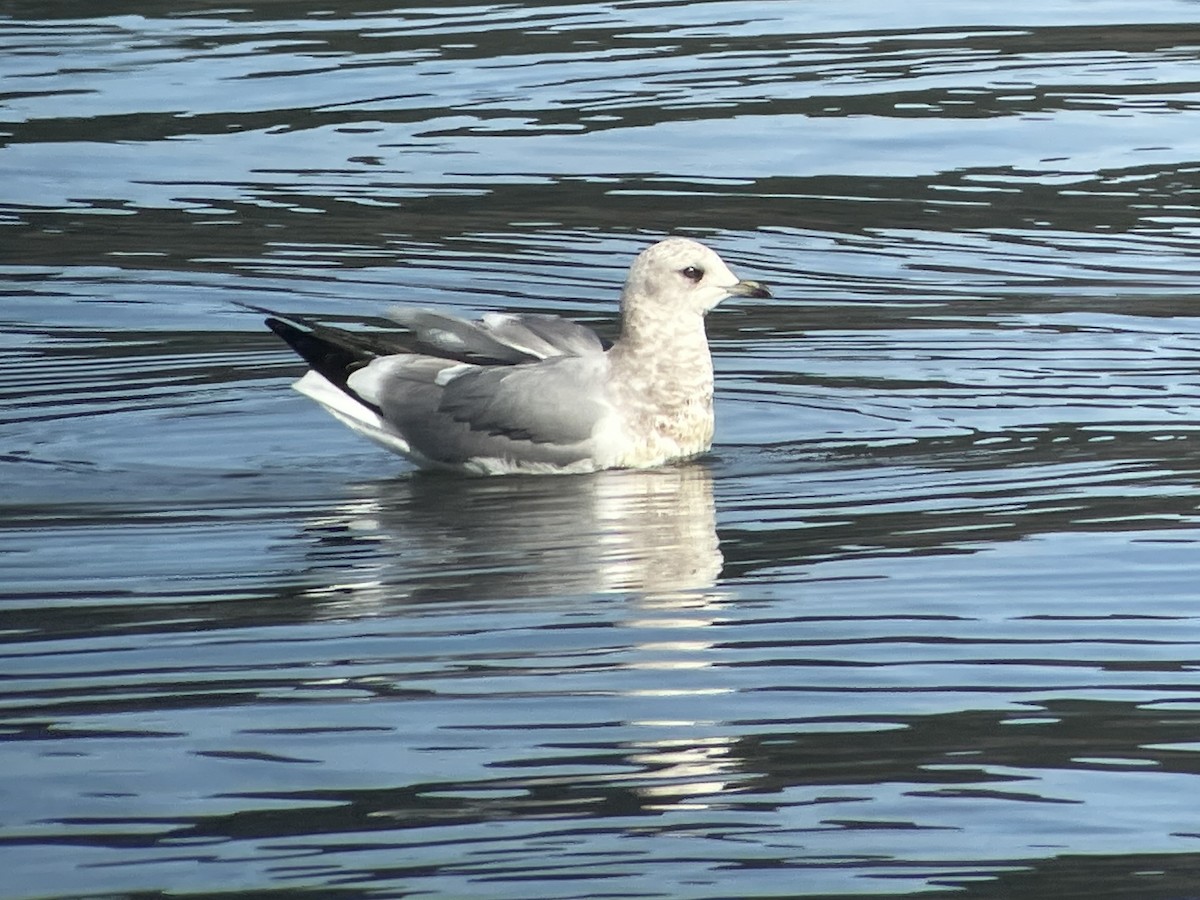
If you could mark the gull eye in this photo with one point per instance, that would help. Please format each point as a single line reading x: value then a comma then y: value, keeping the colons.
x: 692, y: 273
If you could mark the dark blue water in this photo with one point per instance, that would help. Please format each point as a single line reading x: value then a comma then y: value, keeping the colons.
x: 927, y: 620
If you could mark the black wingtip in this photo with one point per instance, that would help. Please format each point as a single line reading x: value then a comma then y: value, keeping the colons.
x: 324, y: 353
x: 280, y: 327
x: 303, y: 342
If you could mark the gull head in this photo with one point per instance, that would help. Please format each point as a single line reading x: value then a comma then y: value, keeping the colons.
x: 684, y: 275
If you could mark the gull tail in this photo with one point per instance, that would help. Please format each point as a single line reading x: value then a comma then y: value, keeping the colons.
x: 330, y: 352
x: 333, y: 356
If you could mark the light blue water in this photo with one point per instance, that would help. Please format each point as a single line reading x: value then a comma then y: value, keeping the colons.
x: 926, y: 620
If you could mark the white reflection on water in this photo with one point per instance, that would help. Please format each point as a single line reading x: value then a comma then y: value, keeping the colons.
x: 649, y: 532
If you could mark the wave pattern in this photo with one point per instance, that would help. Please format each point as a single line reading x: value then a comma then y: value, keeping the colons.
x: 924, y: 620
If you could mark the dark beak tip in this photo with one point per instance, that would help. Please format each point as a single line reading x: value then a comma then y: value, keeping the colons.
x: 751, y: 289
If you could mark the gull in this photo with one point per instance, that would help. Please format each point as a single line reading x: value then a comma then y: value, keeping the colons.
x: 534, y: 393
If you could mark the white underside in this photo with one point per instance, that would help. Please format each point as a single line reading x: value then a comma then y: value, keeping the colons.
x: 371, y: 425
x: 351, y: 413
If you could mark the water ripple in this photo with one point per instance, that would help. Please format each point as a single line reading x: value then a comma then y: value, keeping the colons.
x: 922, y: 622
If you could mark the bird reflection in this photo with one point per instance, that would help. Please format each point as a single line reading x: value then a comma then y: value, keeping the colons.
x: 466, y: 546
x: 430, y: 538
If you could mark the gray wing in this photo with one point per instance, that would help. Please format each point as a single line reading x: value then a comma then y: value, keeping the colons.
x: 557, y: 401
x: 542, y: 412
x: 450, y: 337
x: 543, y: 335
x: 499, y: 339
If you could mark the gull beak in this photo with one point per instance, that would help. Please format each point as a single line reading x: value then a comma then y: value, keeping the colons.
x: 750, y: 289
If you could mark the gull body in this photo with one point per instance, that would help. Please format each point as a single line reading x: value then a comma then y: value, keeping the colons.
x: 522, y: 393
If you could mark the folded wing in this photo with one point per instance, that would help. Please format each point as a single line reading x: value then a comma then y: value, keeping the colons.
x: 544, y: 412
x: 498, y: 339
x: 525, y: 390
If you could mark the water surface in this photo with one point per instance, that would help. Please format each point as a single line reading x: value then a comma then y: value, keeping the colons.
x: 925, y: 621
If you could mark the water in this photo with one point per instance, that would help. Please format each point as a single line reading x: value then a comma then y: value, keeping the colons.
x: 925, y: 621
